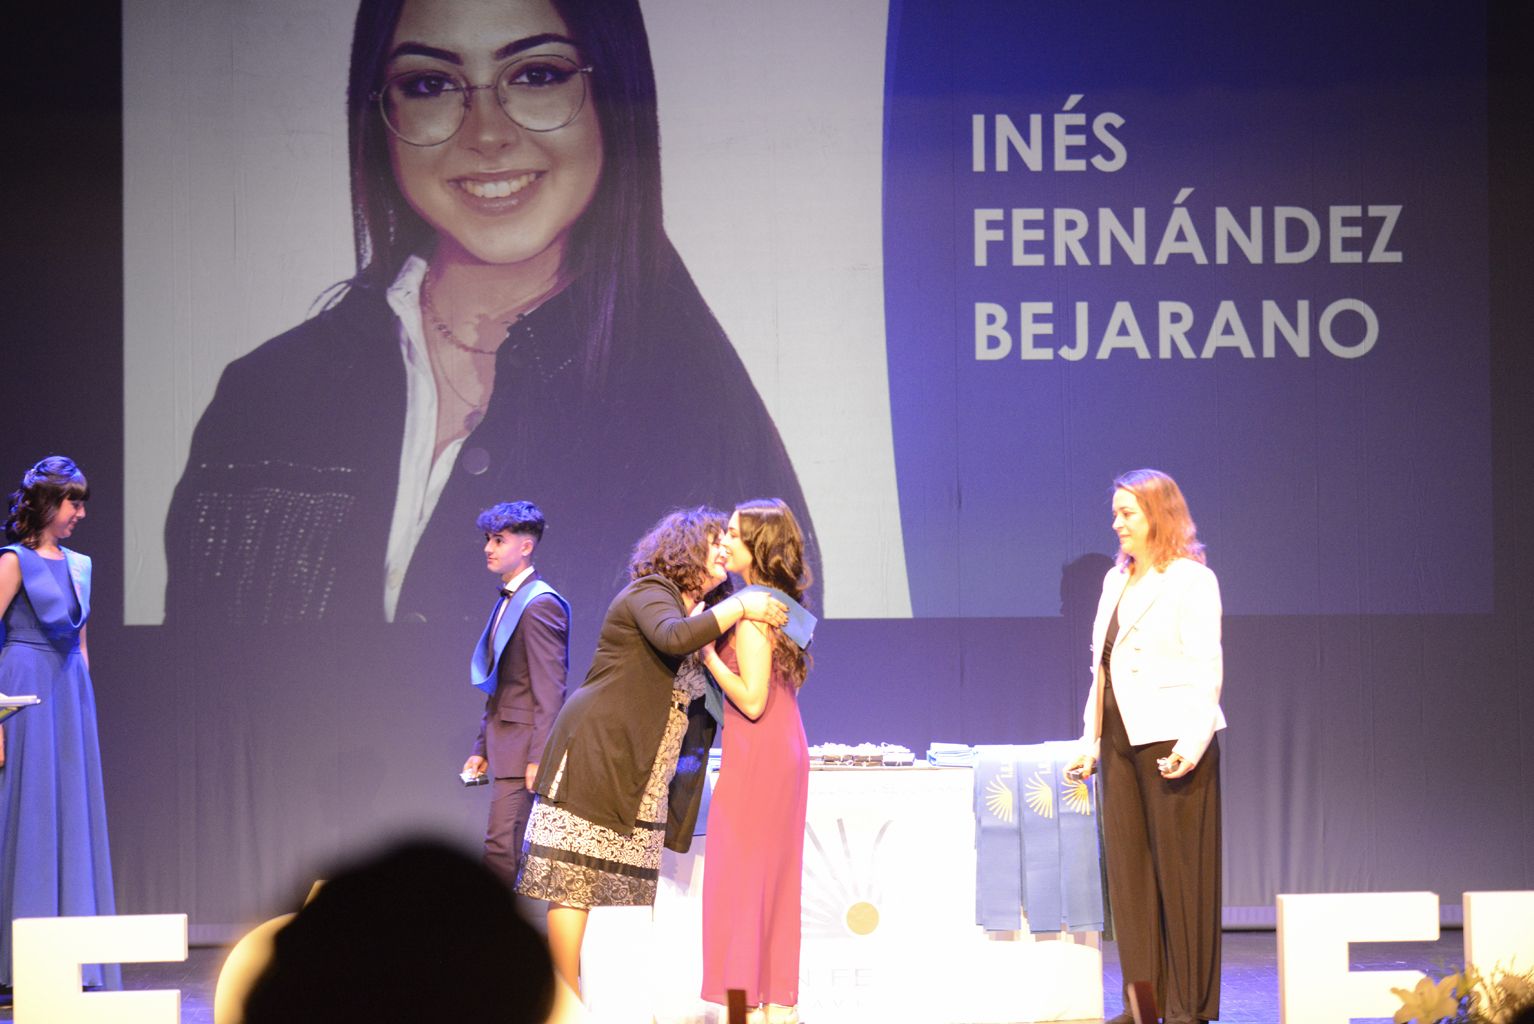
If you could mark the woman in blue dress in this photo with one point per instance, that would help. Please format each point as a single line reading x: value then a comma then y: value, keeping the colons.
x: 54, y: 859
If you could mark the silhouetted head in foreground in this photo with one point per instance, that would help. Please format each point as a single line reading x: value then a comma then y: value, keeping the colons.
x: 418, y: 932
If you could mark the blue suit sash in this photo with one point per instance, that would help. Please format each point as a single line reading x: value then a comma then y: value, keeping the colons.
x: 487, y: 654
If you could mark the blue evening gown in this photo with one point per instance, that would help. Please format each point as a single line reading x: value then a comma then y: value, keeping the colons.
x: 54, y: 859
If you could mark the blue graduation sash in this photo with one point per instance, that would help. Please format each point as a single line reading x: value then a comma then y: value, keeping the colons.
x: 1043, y: 898
x: 998, y: 841
x: 1081, y: 878
x: 1036, y: 847
x: 800, y: 627
x: 483, y: 661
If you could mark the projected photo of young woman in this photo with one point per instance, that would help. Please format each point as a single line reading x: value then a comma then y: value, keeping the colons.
x: 519, y: 322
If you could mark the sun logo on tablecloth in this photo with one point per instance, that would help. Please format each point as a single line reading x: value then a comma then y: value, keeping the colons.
x: 1076, y: 797
x: 1041, y: 796
x: 999, y: 799
x: 842, y: 894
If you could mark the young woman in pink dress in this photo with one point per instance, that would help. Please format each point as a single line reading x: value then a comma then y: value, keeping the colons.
x: 751, y: 883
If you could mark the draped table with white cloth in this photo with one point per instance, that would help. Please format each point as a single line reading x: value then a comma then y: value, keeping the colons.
x: 889, y: 921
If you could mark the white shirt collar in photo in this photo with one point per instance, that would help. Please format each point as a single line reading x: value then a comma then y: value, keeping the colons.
x: 421, y: 478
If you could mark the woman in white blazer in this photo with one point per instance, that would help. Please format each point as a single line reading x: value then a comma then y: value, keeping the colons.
x: 1151, y: 718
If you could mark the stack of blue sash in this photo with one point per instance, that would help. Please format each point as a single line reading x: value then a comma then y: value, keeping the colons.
x: 951, y: 755
x: 1035, y: 841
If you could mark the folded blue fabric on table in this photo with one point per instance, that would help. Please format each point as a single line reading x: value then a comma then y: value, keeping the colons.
x: 1036, y: 849
x: 951, y: 755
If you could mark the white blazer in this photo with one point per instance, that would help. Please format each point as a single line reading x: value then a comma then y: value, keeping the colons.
x: 1167, y: 664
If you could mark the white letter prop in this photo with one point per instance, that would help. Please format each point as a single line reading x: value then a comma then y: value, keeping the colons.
x: 1499, y: 931
x: 1314, y: 983
x: 49, y: 952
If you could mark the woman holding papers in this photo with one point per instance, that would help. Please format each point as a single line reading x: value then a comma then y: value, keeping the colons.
x: 1151, y: 718
x: 751, y: 881
x: 606, y: 803
x: 54, y: 859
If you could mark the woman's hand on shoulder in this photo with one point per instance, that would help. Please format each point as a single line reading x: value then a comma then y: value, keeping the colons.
x: 760, y: 606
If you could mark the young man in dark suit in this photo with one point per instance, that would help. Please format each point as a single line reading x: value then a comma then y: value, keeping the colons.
x: 521, y: 661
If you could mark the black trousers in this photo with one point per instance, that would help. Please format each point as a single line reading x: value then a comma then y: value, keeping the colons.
x: 510, y: 804
x: 1162, y: 844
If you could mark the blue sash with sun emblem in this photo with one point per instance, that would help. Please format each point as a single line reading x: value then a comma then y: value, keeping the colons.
x: 998, y: 841
x: 1081, y: 878
x: 1043, y: 897
x: 1035, y: 841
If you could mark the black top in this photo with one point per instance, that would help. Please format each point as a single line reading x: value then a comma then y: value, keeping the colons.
x: 283, y: 511
x: 1107, y: 659
x: 610, y: 729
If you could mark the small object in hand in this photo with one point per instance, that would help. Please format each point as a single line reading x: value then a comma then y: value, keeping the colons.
x: 475, y: 778
x: 1163, y: 764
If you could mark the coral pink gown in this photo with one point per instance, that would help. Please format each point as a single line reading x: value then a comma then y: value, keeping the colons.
x: 754, y: 862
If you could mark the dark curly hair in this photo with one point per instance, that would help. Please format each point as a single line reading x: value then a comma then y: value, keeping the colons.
x: 677, y: 548
x: 516, y: 516
x: 771, y: 533
x: 43, y: 489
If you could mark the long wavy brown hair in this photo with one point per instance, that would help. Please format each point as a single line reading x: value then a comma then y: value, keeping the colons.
x: 1172, y: 530
x: 677, y: 548
x: 770, y: 532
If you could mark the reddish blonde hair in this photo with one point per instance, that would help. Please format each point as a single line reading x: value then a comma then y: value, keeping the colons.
x: 1173, y: 533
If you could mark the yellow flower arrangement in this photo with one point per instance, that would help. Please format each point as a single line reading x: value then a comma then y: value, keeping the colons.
x: 1468, y: 997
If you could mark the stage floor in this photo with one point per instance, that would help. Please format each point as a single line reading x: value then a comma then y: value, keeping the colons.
x: 1248, y: 991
